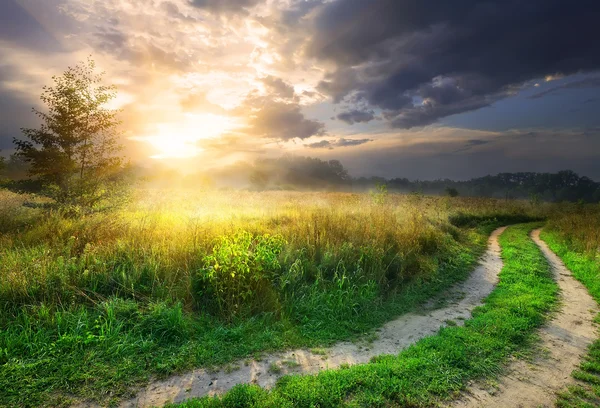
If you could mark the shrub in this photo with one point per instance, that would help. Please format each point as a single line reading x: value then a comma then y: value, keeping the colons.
x: 237, y: 279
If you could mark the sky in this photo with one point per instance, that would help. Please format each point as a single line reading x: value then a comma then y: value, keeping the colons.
x: 394, y: 88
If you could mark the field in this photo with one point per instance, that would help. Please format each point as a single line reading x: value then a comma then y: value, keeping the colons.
x: 94, y: 306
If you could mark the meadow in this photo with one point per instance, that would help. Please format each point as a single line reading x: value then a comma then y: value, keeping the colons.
x: 92, y: 306
x: 575, y: 238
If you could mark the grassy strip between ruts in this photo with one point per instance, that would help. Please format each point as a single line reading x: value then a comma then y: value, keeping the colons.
x: 437, y: 367
x: 586, y: 269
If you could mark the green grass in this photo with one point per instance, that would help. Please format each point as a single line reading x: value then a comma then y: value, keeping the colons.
x: 92, y: 307
x: 102, y: 352
x: 437, y: 367
x: 585, y: 266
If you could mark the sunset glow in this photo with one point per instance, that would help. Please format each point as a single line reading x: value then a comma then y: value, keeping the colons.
x: 348, y: 80
x: 181, y: 140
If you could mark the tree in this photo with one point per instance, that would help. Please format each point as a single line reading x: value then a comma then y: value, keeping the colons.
x: 380, y: 194
x: 259, y: 179
x: 2, y: 171
x: 451, y: 192
x: 74, y: 154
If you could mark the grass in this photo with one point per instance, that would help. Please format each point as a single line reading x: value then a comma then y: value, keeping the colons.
x: 92, y: 307
x: 437, y: 367
x: 290, y: 364
x: 575, y: 240
x: 274, y: 368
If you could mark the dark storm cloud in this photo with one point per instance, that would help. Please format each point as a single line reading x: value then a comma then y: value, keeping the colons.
x: 225, y: 6
x: 420, y: 61
x: 593, y: 82
x: 356, y: 116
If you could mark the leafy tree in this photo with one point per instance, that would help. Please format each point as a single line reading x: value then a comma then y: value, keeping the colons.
x: 2, y: 171
x: 259, y: 179
x: 380, y: 194
x: 451, y: 191
x: 74, y: 154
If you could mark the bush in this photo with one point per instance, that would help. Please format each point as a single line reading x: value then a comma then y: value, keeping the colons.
x: 465, y: 220
x: 238, y: 276
x: 451, y: 192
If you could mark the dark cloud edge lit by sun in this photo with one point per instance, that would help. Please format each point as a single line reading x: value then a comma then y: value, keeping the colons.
x: 391, y: 88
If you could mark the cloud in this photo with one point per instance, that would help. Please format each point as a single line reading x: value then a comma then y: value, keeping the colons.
x: 297, y: 10
x: 428, y: 154
x: 139, y: 50
x: 356, y: 116
x: 225, y: 6
x: 471, y: 143
x: 407, y: 63
x: 174, y: 11
x: 351, y: 142
x: 323, y: 144
x: 270, y: 118
x: 326, y: 144
x: 15, y: 106
x: 197, y: 102
x: 278, y: 87
x: 228, y: 144
x: 32, y: 27
x: 593, y: 82
x: 477, y: 142
x: 423, y: 61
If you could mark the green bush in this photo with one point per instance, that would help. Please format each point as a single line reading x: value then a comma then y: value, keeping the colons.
x: 466, y: 220
x: 238, y: 276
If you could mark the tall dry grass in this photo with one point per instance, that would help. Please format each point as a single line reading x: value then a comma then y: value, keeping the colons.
x: 157, y: 247
x: 578, y: 225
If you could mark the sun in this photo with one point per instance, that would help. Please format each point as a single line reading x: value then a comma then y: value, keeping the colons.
x: 179, y: 140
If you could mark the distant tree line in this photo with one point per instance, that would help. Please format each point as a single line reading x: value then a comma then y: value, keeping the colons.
x: 284, y: 173
x: 565, y: 185
x: 305, y: 173
x: 74, y: 157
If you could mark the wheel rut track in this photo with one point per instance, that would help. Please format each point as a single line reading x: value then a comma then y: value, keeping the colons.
x: 392, y: 338
x: 564, y: 341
